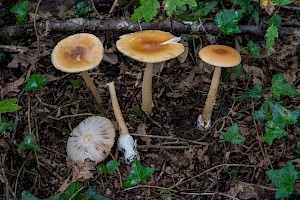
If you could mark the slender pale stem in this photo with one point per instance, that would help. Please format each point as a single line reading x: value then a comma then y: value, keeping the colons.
x: 211, y: 96
x: 116, y: 107
x: 147, y: 89
x: 92, y: 87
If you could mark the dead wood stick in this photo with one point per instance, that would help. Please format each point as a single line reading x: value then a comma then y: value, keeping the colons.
x: 120, y: 25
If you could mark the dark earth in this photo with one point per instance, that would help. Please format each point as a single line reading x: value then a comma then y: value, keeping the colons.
x: 189, y: 163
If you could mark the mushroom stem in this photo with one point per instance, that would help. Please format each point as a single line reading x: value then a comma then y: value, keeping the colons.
x: 210, y: 100
x: 92, y: 87
x: 147, y: 89
x: 116, y: 108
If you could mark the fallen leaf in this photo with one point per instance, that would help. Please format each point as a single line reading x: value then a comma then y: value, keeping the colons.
x: 243, y: 191
x: 141, y: 130
x: 12, y: 88
x: 256, y: 72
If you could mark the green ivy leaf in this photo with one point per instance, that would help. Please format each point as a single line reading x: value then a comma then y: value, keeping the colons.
x: 233, y: 135
x: 254, y: 48
x: 244, y: 4
x: 280, y: 87
x: 109, y: 168
x: 20, y: 9
x: 271, y: 34
x: 284, y: 179
x: 227, y: 20
x: 9, y: 105
x: 92, y: 195
x: 6, y: 125
x: 29, y: 142
x: 237, y: 70
x: 281, y: 2
x: 138, y: 174
x: 272, y: 134
x: 281, y: 115
x: 276, y: 20
x: 147, y: 10
x: 172, y: 5
x: 72, y: 189
x: 28, y: 196
x: 261, y: 113
x: 255, y: 93
x: 82, y: 9
x: 36, y: 82
x: 76, y: 83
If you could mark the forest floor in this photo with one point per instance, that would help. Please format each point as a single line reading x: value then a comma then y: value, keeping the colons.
x: 189, y: 163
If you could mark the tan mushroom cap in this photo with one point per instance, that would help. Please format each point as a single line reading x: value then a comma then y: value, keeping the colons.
x: 147, y: 46
x: 92, y: 139
x: 220, y: 55
x: 76, y: 53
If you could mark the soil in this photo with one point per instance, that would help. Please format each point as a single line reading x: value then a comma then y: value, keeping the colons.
x: 189, y: 163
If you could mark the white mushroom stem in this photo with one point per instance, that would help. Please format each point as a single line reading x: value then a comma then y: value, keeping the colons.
x: 204, y: 120
x: 126, y: 143
x: 92, y: 87
x: 147, y: 89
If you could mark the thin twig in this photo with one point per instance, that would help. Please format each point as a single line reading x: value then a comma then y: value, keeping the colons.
x: 75, y: 115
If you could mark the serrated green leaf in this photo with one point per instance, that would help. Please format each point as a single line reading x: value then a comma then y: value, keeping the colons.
x: 261, y: 113
x: 271, y: 34
x: 281, y: 2
x: 272, y: 134
x: 109, y: 168
x: 244, y: 4
x: 36, y: 82
x: 280, y: 87
x: 28, y: 196
x: 276, y: 20
x: 171, y: 5
x: 29, y: 142
x: 20, y: 9
x: 254, y: 48
x: 284, y: 179
x: 147, y: 10
x: 9, y: 105
x: 5, y: 125
x: 227, y: 20
x: 233, y: 135
x: 138, y: 174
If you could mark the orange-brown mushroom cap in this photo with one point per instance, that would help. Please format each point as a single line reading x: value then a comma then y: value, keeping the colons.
x: 148, y: 46
x: 76, y: 53
x: 220, y: 55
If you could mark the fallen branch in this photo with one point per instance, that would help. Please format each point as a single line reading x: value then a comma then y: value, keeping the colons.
x: 120, y: 25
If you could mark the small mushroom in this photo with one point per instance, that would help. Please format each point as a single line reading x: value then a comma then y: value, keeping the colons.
x: 219, y: 56
x: 149, y: 46
x: 92, y: 139
x: 79, y: 53
x: 126, y: 143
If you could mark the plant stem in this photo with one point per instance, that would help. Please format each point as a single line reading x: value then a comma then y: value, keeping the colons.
x: 211, y: 96
x: 116, y: 107
x: 92, y: 87
x: 147, y: 89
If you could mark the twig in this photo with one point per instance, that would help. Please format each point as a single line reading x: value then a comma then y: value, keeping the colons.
x: 210, y: 194
x: 75, y: 115
x: 113, y: 7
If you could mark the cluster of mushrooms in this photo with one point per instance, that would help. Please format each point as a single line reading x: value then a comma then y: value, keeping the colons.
x: 94, y: 137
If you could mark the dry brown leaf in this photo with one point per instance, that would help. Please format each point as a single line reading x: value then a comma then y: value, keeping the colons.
x: 256, y: 73
x: 83, y: 170
x: 12, y: 88
x: 189, y: 153
x: 64, y: 186
x: 3, y: 144
x: 268, y: 6
x: 176, y: 94
x: 141, y: 130
x: 111, y: 58
x: 182, y: 58
x: 243, y: 191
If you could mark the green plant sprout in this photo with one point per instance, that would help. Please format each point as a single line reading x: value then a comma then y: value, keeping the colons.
x: 36, y: 82
x: 21, y: 11
x: 233, y: 135
x: 29, y: 142
x: 284, y: 179
x: 6, y: 106
x: 82, y: 9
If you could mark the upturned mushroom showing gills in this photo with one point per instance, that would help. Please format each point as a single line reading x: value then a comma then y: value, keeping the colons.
x: 149, y: 46
x: 126, y: 143
x: 92, y: 139
x: 219, y: 56
x: 79, y: 53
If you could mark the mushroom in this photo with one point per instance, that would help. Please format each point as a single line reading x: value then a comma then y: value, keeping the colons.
x: 149, y: 46
x: 92, y: 139
x: 79, y: 53
x: 219, y: 56
x: 126, y: 143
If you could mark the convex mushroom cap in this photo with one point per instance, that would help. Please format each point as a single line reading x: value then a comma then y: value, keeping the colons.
x: 76, y: 53
x: 150, y: 46
x: 92, y: 139
x: 220, y: 55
